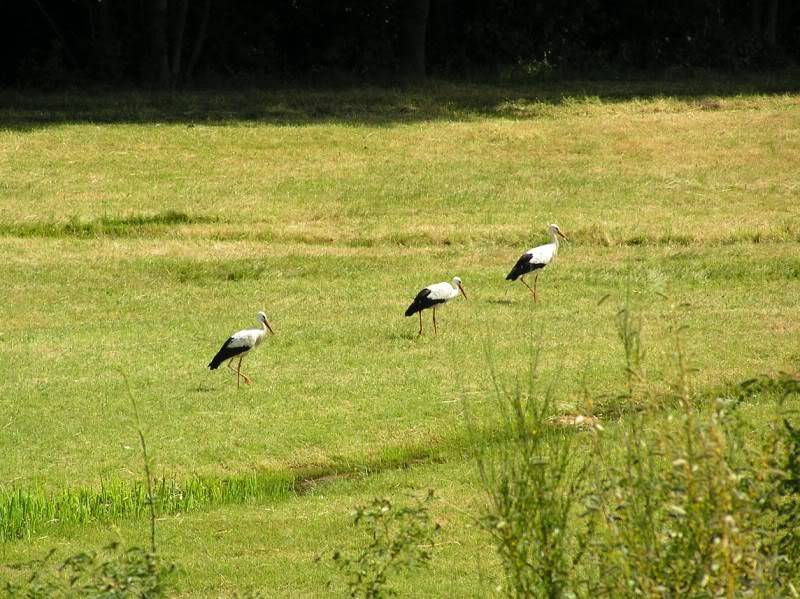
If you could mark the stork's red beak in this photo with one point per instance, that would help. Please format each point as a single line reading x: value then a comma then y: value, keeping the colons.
x: 461, y: 289
x: 269, y: 327
x: 564, y: 237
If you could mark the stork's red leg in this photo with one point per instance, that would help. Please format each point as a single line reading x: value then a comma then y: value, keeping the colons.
x: 244, y: 376
x: 529, y: 287
x: 420, y: 323
x: 435, y: 331
x: 234, y: 371
x: 535, y: 295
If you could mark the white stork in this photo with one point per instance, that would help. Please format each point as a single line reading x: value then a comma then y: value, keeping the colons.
x: 536, y: 259
x: 433, y: 295
x: 239, y: 344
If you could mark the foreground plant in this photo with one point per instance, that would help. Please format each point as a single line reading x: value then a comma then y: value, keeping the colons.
x: 698, y: 508
x: 538, y: 489
x: 682, y: 502
x: 113, y: 572
x: 400, y: 540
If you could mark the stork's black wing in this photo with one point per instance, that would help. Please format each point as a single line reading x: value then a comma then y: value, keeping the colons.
x: 522, y: 267
x: 423, y: 301
x: 226, y: 352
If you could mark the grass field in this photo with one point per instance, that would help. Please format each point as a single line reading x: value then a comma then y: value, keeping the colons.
x: 137, y: 233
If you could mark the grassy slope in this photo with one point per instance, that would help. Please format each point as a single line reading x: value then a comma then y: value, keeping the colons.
x: 694, y: 198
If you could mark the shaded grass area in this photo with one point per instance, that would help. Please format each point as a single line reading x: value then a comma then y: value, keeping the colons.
x: 136, y: 225
x: 165, y: 224
x: 439, y: 100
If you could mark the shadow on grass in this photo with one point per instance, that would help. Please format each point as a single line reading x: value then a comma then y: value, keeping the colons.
x: 501, y: 301
x: 202, y: 388
x: 409, y: 335
x: 105, y: 227
x: 23, y: 110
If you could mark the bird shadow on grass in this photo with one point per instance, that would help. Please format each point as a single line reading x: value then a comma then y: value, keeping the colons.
x: 201, y: 388
x: 403, y: 335
x: 501, y: 301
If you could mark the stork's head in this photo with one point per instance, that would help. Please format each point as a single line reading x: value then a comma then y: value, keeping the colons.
x: 457, y: 283
x: 555, y: 230
x: 263, y: 319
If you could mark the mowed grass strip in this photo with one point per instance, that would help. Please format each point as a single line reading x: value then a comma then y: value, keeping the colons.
x: 649, y: 168
x: 171, y: 224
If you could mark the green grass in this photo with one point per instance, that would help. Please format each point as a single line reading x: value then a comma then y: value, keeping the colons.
x: 133, y: 242
x: 23, y: 513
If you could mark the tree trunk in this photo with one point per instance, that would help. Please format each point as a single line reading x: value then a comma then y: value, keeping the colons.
x: 199, y: 40
x: 757, y: 9
x: 57, y: 31
x: 160, y: 48
x: 771, y: 27
x: 414, y: 23
x: 92, y: 28
x: 177, y: 37
x: 108, y: 58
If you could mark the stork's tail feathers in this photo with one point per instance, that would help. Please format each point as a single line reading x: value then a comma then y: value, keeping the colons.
x: 226, y: 352
x: 221, y: 356
x: 518, y: 270
x: 413, y: 309
x: 420, y: 302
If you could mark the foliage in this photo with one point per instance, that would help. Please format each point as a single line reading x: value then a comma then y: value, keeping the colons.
x: 685, y: 514
x: 694, y: 511
x: 536, y: 489
x: 785, y: 503
x: 113, y: 573
x: 400, y: 540
x: 680, y: 530
x: 689, y: 507
x: 776, y: 483
x: 53, y: 42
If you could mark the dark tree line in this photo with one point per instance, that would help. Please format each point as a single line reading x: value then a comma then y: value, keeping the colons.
x: 177, y: 42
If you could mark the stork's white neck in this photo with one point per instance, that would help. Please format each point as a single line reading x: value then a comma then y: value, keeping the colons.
x: 554, y: 238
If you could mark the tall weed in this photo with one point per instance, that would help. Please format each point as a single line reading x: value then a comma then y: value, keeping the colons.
x: 400, y: 538
x: 675, y: 501
x: 537, y: 490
